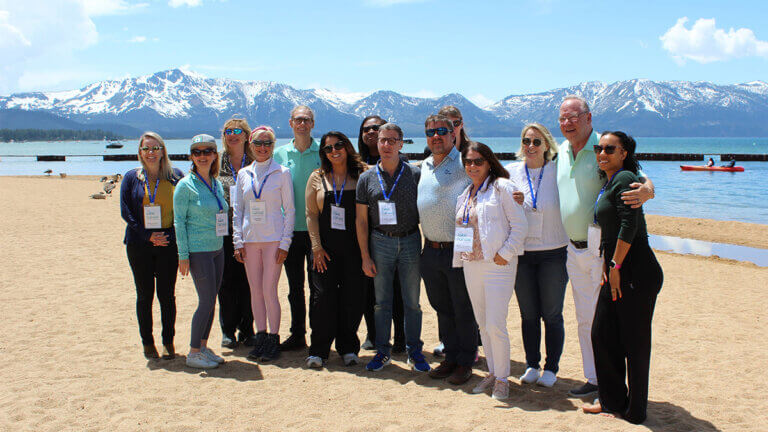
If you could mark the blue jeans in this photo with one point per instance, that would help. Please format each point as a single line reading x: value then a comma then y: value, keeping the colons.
x: 540, y: 289
x: 401, y: 254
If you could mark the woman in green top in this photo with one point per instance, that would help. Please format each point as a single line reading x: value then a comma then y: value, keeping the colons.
x: 632, y: 278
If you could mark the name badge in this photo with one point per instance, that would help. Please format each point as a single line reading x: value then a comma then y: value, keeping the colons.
x: 463, y: 239
x: 535, y: 223
x: 222, y: 224
x: 257, y: 212
x: 387, y: 213
x: 337, y: 218
x: 152, y: 217
x: 232, y: 195
x: 593, y: 239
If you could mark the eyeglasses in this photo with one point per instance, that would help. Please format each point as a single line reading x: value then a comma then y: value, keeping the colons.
x: 151, y: 149
x: 456, y: 123
x: 609, y: 149
x: 257, y: 143
x: 564, y: 120
x: 236, y: 131
x: 440, y: 131
x: 388, y: 141
x: 336, y: 146
x: 300, y: 120
x: 476, y: 162
x: 367, y: 129
x: 207, y: 152
x: 527, y: 141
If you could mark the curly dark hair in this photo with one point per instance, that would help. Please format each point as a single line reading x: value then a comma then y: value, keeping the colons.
x: 355, y: 165
x: 629, y: 145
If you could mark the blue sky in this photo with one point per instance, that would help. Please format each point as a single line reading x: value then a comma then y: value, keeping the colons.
x: 485, y: 50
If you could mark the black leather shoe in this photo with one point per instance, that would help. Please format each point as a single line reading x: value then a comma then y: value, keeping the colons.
x: 228, y: 341
x: 443, y: 370
x: 294, y: 342
x: 460, y: 375
x: 586, y: 390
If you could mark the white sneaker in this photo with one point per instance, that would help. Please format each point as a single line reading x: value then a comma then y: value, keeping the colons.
x: 200, y: 361
x: 367, y: 345
x: 530, y: 376
x: 351, y: 359
x: 485, y: 384
x: 500, y: 390
x: 438, y: 350
x: 547, y: 379
x: 210, y: 355
x: 314, y: 362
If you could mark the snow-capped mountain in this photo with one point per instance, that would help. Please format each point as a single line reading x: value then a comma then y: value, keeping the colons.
x: 182, y: 103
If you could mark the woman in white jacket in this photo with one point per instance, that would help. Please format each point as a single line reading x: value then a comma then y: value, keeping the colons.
x: 262, y: 224
x: 490, y: 235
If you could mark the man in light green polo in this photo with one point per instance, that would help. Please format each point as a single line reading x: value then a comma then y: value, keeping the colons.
x: 301, y: 156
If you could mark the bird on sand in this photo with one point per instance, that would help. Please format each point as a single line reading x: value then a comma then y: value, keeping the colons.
x: 48, y: 172
x: 108, y: 186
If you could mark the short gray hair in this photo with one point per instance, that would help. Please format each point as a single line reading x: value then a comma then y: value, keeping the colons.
x: 584, y: 104
x: 394, y: 127
x: 303, y: 108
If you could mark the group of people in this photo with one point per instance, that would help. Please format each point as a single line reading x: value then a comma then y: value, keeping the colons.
x: 370, y: 226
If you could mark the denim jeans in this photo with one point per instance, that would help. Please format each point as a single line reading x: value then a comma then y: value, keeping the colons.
x: 540, y: 289
x: 401, y: 254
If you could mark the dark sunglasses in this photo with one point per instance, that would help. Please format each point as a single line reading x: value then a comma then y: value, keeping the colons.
x: 609, y: 149
x: 527, y: 141
x: 370, y: 128
x: 337, y: 146
x: 236, y: 131
x: 456, y: 123
x: 257, y: 143
x: 199, y: 152
x: 476, y: 162
x: 440, y: 131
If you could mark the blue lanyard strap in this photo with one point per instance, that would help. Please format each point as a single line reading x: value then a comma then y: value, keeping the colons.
x: 602, y: 191
x: 534, y: 194
x: 337, y: 198
x: 231, y: 168
x: 261, y: 187
x: 381, y: 181
x: 213, y: 191
x: 152, y: 195
x: 465, y: 218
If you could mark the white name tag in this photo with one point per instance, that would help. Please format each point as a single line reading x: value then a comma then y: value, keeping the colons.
x: 593, y: 239
x: 232, y: 195
x: 222, y: 225
x: 535, y: 223
x: 153, y: 218
x: 387, y: 213
x: 337, y: 218
x: 257, y: 213
x: 463, y: 239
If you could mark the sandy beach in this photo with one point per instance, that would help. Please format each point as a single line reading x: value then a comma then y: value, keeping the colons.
x: 72, y: 358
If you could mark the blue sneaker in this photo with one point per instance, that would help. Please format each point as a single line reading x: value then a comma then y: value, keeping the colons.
x: 379, y: 361
x: 417, y: 362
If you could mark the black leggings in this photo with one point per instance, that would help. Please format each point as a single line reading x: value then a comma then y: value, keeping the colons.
x: 154, y: 267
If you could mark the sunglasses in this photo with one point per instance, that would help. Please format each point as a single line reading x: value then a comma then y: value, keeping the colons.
x: 367, y: 129
x: 440, y: 131
x: 476, y: 162
x: 609, y: 149
x: 527, y: 141
x: 257, y: 143
x: 456, y: 123
x: 337, y: 146
x: 152, y: 149
x: 236, y: 131
x: 200, y: 152
x: 302, y: 120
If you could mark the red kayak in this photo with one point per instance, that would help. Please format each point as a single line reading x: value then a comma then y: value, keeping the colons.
x: 712, y: 168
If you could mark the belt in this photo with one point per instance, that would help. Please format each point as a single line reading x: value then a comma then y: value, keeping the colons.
x: 437, y: 245
x: 579, y: 244
x: 396, y: 234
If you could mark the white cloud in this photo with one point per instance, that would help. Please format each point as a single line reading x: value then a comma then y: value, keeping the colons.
x: 481, y: 100
x: 189, y: 3
x: 138, y: 39
x: 705, y: 43
x: 387, y: 3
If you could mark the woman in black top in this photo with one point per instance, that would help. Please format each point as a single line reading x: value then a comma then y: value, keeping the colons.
x: 632, y: 278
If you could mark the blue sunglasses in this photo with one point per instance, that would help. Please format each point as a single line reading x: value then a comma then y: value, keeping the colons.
x: 440, y: 131
x: 236, y: 131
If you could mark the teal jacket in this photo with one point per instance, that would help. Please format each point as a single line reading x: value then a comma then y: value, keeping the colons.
x: 194, y: 215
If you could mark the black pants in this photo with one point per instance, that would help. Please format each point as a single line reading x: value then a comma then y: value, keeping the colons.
x: 621, y: 341
x: 447, y: 293
x: 398, y: 317
x: 299, y: 255
x: 154, y: 267
x: 235, y: 312
x: 336, y: 304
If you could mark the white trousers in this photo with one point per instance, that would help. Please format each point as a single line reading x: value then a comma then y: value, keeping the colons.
x: 584, y: 269
x: 490, y: 289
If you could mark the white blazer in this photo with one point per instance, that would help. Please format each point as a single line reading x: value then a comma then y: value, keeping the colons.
x: 278, y: 195
x: 501, y: 221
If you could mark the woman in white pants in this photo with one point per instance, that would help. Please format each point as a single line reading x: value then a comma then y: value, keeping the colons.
x: 490, y: 235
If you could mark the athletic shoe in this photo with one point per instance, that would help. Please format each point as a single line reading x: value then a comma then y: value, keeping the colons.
x: 150, y: 352
x: 350, y: 359
x: 198, y: 360
x: 586, y: 390
x: 314, y: 362
x: 210, y: 355
x: 500, y: 390
x: 379, y: 361
x: 547, y: 379
x: 228, y: 341
x: 443, y: 370
x: 258, y: 346
x: 485, y: 384
x: 368, y: 345
x: 530, y: 376
x: 417, y: 362
x: 271, y: 348
x: 438, y: 350
x: 294, y: 342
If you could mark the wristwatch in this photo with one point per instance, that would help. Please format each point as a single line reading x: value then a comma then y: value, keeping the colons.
x: 613, y: 265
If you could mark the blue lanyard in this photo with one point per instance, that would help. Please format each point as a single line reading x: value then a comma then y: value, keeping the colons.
x: 231, y: 168
x: 381, y: 181
x: 465, y: 219
x: 213, y: 191
x: 534, y: 194
x: 261, y: 188
x: 152, y: 195
x: 337, y: 198
x: 602, y: 191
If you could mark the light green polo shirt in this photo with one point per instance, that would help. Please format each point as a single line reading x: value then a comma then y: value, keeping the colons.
x: 301, y: 166
x: 578, y: 184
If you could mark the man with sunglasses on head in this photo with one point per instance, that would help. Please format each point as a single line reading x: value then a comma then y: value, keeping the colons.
x: 578, y: 187
x: 301, y: 156
x: 443, y: 179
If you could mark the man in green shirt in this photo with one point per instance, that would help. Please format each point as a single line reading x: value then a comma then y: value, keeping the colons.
x: 301, y: 156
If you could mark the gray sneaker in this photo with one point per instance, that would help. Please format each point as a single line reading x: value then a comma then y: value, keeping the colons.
x: 351, y: 359
x: 210, y: 355
x: 198, y: 360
